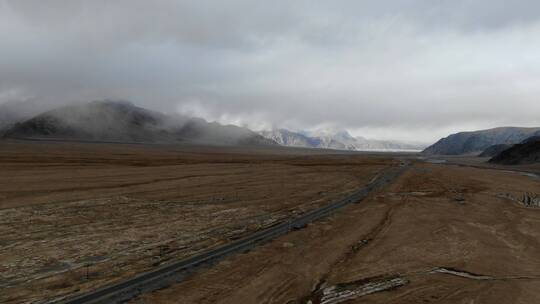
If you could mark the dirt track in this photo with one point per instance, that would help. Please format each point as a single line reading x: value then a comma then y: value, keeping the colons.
x: 116, y: 210
x: 441, y: 234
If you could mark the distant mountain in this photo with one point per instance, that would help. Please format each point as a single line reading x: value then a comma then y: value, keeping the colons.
x: 340, y: 140
x: 494, y: 150
x: 526, y: 152
x: 119, y: 121
x: 477, y: 141
x: 383, y: 145
x: 291, y: 139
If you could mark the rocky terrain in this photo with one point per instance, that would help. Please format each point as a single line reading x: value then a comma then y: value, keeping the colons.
x: 476, y: 142
x: 340, y: 140
x: 118, y: 121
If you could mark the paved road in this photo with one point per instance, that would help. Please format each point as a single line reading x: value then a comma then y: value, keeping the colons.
x: 175, y: 272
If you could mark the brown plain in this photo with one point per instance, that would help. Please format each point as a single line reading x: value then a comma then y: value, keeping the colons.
x: 76, y: 216
x: 434, y: 217
x: 123, y: 209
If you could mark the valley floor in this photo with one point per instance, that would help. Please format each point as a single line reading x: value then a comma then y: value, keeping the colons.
x: 440, y: 234
x: 76, y: 216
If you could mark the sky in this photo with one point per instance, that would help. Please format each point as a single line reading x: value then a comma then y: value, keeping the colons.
x: 389, y: 69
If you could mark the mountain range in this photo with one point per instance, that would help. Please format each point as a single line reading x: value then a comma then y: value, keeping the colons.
x: 477, y: 141
x: 120, y: 121
x: 339, y: 140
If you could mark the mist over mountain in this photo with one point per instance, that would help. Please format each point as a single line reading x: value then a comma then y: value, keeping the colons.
x: 339, y: 140
x: 15, y: 111
x: 408, y: 70
x: 121, y: 121
x: 477, y: 141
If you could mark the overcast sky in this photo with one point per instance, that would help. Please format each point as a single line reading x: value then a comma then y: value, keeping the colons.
x: 389, y: 69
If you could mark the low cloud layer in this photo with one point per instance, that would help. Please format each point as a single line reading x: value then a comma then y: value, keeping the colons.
x: 413, y: 70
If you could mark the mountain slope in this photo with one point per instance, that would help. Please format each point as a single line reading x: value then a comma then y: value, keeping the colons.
x: 478, y: 141
x: 14, y: 111
x: 340, y: 140
x: 200, y: 131
x: 494, y: 150
x: 526, y: 152
x: 535, y: 137
x: 117, y: 121
x: 292, y: 139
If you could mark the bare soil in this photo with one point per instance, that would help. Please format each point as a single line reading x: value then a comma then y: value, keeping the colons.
x: 76, y: 216
x: 440, y: 234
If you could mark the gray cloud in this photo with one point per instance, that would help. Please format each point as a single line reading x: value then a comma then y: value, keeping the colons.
x: 390, y: 69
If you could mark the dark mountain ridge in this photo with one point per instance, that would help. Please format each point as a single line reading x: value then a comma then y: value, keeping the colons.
x: 527, y: 152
